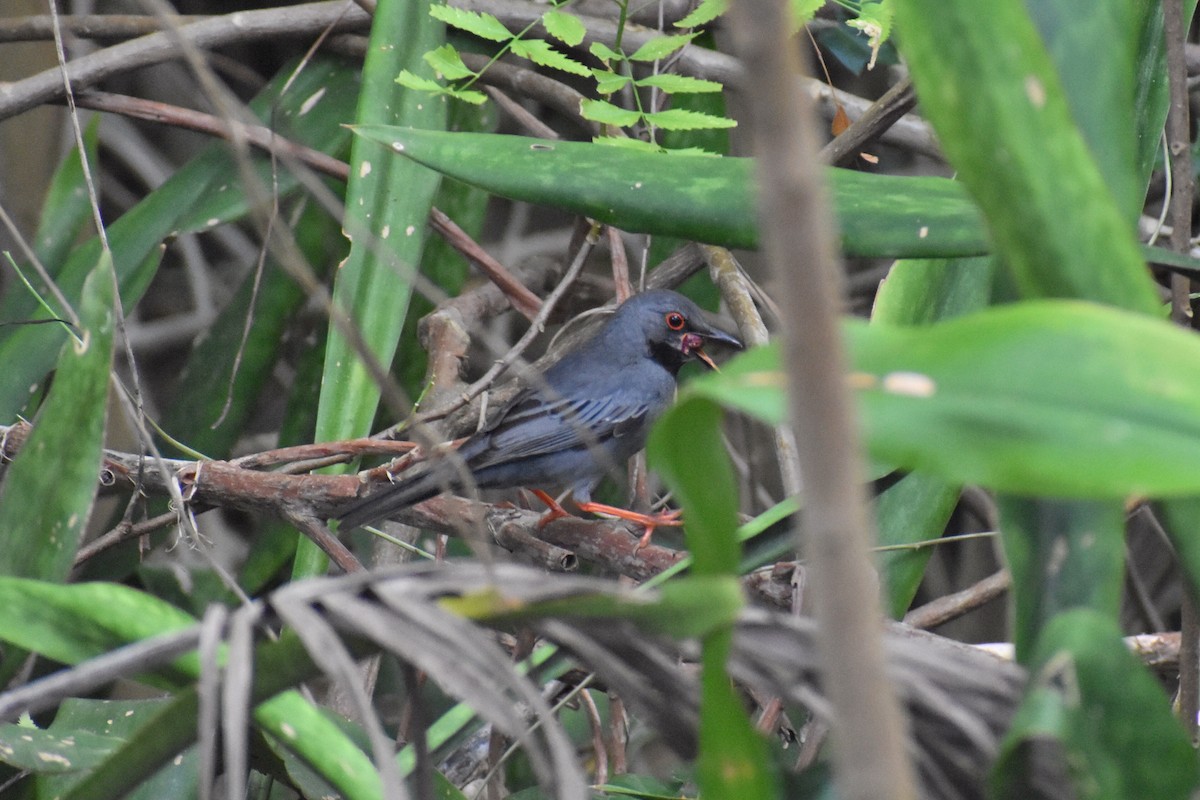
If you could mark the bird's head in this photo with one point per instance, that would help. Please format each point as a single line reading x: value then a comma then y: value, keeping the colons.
x: 674, y: 328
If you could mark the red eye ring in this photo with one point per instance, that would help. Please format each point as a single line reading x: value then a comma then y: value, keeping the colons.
x: 675, y: 320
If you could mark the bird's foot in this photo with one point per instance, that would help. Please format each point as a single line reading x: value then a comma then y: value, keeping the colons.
x: 666, y: 519
x: 553, y: 509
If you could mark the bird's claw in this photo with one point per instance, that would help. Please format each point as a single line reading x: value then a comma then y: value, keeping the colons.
x: 665, y: 519
x: 649, y: 522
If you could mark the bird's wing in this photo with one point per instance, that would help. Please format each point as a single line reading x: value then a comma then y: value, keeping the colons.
x: 534, y: 426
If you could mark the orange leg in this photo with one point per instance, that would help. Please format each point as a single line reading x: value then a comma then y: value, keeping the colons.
x: 647, y: 521
x: 554, y: 510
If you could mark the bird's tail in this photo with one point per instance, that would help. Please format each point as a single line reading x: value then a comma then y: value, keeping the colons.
x: 387, y: 500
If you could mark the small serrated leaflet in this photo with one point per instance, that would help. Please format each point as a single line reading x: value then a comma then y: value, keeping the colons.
x: 483, y: 25
x: 679, y: 84
x: 608, y: 81
x: 875, y: 20
x: 662, y: 46
x: 567, y: 28
x: 540, y: 52
x: 803, y: 11
x: 408, y: 79
x: 706, y: 12
x: 446, y: 61
x: 607, y: 114
x: 678, y: 119
x: 604, y: 52
x: 467, y: 96
x: 628, y: 143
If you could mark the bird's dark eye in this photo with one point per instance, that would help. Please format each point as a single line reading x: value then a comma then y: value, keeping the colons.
x: 675, y: 321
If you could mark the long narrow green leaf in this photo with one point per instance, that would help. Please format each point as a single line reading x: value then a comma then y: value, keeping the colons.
x: 994, y: 96
x: 916, y: 509
x: 1099, y: 91
x: 694, y: 197
x: 47, y: 494
x: 67, y: 207
x: 687, y: 448
x: 387, y: 203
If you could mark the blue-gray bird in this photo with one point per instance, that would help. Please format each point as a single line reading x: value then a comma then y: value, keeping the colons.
x: 587, y: 414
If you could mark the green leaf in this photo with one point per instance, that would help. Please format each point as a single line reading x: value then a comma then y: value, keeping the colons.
x: 662, y: 46
x: 705, y: 12
x: 751, y: 382
x: 628, y: 143
x: 924, y: 291
x: 446, y: 61
x: 608, y: 81
x: 1112, y: 718
x: 687, y: 450
x: 67, y: 207
x: 604, y: 52
x: 467, y: 96
x: 408, y: 79
x: 1003, y: 118
x: 199, y: 416
x: 686, y: 447
x: 1046, y: 398
x: 678, y: 119
x: 387, y: 206
x: 83, y: 734
x: 916, y: 509
x: 42, y: 751
x: 480, y: 24
x: 684, y: 608
x: 692, y: 197
x: 1063, y: 554
x: 75, y: 622
x: 606, y: 113
x: 1099, y: 91
x: 542, y: 52
x: 567, y: 28
x: 679, y: 84
x: 734, y: 762
x: 47, y: 494
x: 803, y: 10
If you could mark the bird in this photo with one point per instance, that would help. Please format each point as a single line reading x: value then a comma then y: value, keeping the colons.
x: 576, y: 422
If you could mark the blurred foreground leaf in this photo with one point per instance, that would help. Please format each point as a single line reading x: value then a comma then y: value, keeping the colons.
x: 1091, y: 696
x: 1047, y: 398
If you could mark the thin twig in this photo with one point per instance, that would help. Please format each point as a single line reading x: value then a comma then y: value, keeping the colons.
x: 883, y: 113
x: 951, y: 606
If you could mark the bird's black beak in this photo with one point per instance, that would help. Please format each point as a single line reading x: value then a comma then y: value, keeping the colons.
x: 694, y: 341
